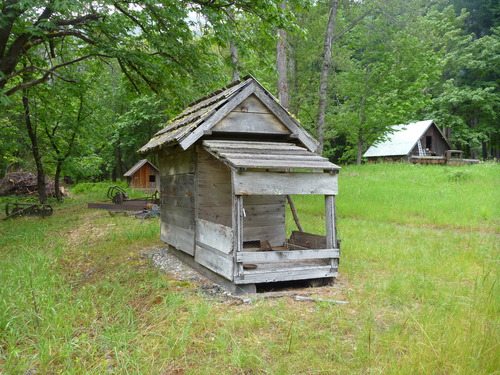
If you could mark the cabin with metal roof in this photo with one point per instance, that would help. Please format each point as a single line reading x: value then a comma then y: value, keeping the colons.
x: 410, y: 142
x: 143, y: 175
x: 231, y: 165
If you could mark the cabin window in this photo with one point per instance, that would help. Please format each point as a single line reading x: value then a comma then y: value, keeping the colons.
x: 152, y: 178
x: 428, y: 142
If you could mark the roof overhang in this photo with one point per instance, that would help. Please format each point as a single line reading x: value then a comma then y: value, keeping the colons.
x: 270, y: 156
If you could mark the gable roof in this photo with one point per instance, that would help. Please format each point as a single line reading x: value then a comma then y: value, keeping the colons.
x: 138, y: 166
x: 402, y: 140
x: 202, y: 115
x: 241, y: 155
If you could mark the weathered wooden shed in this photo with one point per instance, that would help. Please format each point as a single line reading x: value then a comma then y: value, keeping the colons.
x: 227, y: 164
x: 143, y: 175
x: 418, y: 139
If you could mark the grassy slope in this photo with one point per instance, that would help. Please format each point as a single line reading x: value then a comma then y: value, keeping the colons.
x: 419, y: 269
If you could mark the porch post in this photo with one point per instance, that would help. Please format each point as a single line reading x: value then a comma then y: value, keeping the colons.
x: 331, y: 230
x: 238, y: 232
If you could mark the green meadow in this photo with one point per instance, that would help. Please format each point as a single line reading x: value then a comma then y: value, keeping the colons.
x: 419, y: 271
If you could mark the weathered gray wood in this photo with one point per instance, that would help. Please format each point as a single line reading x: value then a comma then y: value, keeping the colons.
x: 281, y: 165
x: 172, y: 201
x: 220, y: 214
x: 258, y: 200
x: 238, y: 231
x: 276, y: 235
x: 214, y: 260
x: 330, y: 221
x: 181, y: 219
x: 280, y: 274
x: 178, y: 237
x: 254, y: 157
x: 249, y: 183
x: 249, y: 123
x: 216, y: 117
x: 214, y: 235
x: 309, y: 240
x: 252, y: 104
x: 178, y: 162
x: 331, y: 230
x: 232, y: 287
x: 287, y: 120
x: 282, y: 256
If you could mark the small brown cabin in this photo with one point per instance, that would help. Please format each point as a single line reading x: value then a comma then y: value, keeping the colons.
x: 229, y: 163
x: 143, y: 175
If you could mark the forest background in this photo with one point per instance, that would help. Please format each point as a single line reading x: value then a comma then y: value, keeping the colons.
x: 84, y: 84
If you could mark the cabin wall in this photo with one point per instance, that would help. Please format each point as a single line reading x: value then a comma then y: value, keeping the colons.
x: 177, y: 179
x: 433, y: 140
x: 214, y: 190
x: 141, y: 178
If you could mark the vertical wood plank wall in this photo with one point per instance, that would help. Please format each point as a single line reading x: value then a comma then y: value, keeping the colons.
x: 264, y: 218
x: 177, y: 181
x: 140, y: 179
x: 214, y: 190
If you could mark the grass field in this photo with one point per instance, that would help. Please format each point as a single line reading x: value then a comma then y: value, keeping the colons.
x: 419, y: 270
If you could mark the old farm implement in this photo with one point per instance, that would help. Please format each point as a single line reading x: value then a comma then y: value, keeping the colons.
x: 120, y: 200
x: 27, y: 209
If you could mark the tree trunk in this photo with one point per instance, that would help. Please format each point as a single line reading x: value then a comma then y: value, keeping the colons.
x: 359, y: 153
x: 35, y: 150
x: 281, y: 67
x: 234, y: 59
x: 323, y: 82
x: 57, y: 181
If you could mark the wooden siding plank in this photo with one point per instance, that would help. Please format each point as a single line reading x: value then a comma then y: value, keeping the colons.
x: 237, y: 225
x: 254, y: 157
x: 280, y: 256
x: 249, y: 183
x: 217, y: 116
x: 217, y: 236
x: 282, y: 164
x: 287, y: 119
x: 249, y: 123
x: 252, y: 104
x: 177, y: 162
x: 278, y: 274
x: 180, y: 238
x: 214, y: 260
x: 309, y: 240
x: 276, y: 235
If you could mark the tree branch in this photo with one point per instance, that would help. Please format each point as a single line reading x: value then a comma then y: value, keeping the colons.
x: 129, y: 76
x: 351, y: 26
x: 48, y: 73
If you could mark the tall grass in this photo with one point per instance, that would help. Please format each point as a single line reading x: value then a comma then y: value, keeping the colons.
x: 419, y: 270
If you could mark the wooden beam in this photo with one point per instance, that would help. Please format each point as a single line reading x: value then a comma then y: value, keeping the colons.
x: 267, y: 183
x: 331, y: 229
x: 281, y: 256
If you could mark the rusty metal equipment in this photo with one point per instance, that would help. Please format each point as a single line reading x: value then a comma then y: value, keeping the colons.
x: 117, y: 194
x: 121, y: 200
x: 27, y: 209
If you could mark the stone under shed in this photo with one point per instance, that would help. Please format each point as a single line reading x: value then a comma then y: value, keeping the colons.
x: 229, y: 163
